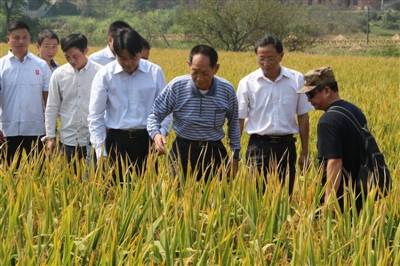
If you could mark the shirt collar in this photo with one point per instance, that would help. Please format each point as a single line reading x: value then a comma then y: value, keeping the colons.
x: 284, y: 73
x: 109, y: 53
x: 141, y: 67
x: 83, y: 69
x: 11, y: 55
x: 197, y: 93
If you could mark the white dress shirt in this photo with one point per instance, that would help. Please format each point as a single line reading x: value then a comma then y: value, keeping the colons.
x: 120, y: 100
x: 21, y: 95
x: 103, y: 57
x: 69, y: 94
x: 271, y: 107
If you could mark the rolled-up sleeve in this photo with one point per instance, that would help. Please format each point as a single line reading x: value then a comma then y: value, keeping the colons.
x: 243, y: 100
x: 303, y: 105
x: 162, y: 107
x: 97, y: 108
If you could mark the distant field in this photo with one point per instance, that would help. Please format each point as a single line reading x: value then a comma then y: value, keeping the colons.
x: 49, y: 216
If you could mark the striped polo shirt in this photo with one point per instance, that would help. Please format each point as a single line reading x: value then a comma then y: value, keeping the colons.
x: 197, y: 116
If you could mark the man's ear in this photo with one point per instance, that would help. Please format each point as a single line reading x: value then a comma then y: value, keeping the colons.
x: 216, y: 68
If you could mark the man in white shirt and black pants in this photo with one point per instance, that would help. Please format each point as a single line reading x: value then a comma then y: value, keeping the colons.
x: 122, y: 96
x: 69, y: 94
x: 268, y: 99
x: 24, y: 80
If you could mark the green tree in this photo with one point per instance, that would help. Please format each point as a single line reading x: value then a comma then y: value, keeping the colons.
x: 11, y: 8
x: 156, y: 24
x: 234, y: 25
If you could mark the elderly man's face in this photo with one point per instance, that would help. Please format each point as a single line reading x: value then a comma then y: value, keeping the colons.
x: 268, y: 58
x: 202, y: 72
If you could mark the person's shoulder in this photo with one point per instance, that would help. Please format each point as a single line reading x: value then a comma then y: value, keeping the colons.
x: 225, y: 84
x: 252, y: 76
x: 97, y: 53
x: 149, y: 66
x: 4, y: 57
x: 180, y: 80
x: 291, y: 73
x: 62, y: 69
x: 94, y: 65
x: 106, y: 70
x: 353, y: 109
x: 39, y: 61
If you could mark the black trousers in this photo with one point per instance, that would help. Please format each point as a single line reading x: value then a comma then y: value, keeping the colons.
x: 72, y: 151
x: 266, y: 152
x: 203, y: 156
x: 346, y: 183
x: 19, y: 143
x: 132, y: 145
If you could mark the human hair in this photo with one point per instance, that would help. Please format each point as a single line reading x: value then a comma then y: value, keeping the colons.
x: 17, y: 25
x: 127, y: 39
x: 269, y: 40
x: 146, y: 44
x: 46, y: 33
x: 206, y: 50
x: 117, y: 25
x: 75, y: 40
x: 333, y: 86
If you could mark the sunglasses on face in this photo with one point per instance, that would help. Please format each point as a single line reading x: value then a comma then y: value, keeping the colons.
x: 312, y: 93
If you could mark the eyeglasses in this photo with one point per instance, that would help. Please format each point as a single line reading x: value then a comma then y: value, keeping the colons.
x: 311, y: 94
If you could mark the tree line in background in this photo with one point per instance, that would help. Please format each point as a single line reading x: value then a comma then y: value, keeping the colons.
x: 228, y: 24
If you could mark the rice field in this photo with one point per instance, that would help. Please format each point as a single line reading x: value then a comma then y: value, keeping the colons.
x: 51, y: 214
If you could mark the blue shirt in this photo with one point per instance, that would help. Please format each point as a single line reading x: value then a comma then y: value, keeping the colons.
x: 197, y: 116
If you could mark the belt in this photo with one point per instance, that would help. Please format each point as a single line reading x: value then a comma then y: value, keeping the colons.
x: 131, y: 132
x: 199, y: 143
x: 274, y: 138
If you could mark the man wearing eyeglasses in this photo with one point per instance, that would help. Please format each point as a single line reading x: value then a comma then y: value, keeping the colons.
x: 270, y: 104
x: 339, y: 142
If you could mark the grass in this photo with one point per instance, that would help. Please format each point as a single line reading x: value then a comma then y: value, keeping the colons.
x: 49, y: 216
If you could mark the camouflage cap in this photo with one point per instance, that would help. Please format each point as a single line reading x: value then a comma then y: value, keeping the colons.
x: 316, y: 77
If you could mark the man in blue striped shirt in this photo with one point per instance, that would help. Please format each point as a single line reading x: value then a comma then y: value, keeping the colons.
x: 200, y: 104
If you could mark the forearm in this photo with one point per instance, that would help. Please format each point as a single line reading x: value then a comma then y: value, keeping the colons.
x: 333, y: 176
x: 241, y: 125
x: 44, y: 95
x: 304, y: 131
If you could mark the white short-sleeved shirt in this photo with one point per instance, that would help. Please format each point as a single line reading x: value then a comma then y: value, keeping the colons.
x: 271, y: 107
x: 103, y: 57
x: 21, y: 95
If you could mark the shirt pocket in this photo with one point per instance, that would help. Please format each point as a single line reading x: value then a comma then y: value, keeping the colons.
x: 219, y: 118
